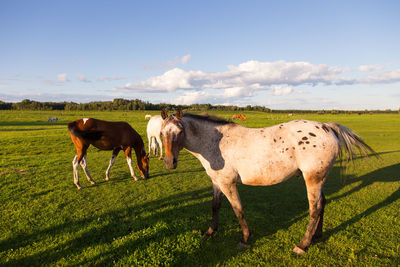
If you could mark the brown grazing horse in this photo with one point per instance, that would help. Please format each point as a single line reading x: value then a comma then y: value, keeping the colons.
x: 239, y: 116
x: 233, y: 154
x: 106, y: 135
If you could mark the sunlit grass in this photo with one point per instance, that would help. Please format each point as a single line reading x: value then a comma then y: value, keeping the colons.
x: 45, y: 220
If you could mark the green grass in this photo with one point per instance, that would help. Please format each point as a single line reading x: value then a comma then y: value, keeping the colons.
x: 45, y: 220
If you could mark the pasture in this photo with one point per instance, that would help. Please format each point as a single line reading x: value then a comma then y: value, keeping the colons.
x: 45, y: 220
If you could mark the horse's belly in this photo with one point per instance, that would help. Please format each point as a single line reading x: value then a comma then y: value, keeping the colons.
x: 267, y: 175
x: 103, y: 145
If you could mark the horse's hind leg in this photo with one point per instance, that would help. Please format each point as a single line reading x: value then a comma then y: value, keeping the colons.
x: 216, y: 205
x: 85, y: 169
x: 80, y: 153
x: 149, y: 138
x: 113, y: 157
x: 316, y: 201
x: 75, y: 166
x: 160, y: 147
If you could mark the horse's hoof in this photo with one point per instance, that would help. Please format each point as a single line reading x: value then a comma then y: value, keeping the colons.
x: 298, y: 250
x: 93, y: 182
x: 79, y: 187
x: 242, y: 245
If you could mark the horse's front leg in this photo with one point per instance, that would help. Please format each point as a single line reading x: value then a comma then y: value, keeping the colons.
x: 216, y: 205
x: 129, y: 161
x: 232, y: 194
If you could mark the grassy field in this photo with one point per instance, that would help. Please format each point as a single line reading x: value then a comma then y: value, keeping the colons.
x: 45, y: 220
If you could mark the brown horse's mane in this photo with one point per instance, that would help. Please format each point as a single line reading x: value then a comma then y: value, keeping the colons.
x: 208, y: 118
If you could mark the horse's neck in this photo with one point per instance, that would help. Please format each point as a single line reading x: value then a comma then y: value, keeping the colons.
x: 139, y: 149
x: 200, y: 136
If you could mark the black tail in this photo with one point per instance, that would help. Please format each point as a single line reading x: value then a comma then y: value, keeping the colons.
x: 91, y: 135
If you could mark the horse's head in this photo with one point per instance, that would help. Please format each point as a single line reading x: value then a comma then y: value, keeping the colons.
x: 173, y: 134
x: 143, y: 166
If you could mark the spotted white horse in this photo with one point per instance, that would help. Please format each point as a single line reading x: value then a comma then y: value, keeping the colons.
x: 233, y: 154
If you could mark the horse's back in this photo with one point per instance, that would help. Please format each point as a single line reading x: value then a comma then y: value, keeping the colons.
x: 264, y: 156
x: 103, y: 134
x: 154, y: 125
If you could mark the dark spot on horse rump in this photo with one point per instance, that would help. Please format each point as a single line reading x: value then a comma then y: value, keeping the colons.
x: 304, y: 147
x: 304, y: 138
x: 287, y: 149
x: 299, y: 131
x: 312, y: 134
x: 293, y: 147
x: 307, y: 142
x: 314, y: 146
x: 280, y: 138
x: 262, y: 131
x: 291, y: 157
x: 326, y: 129
x: 305, y: 121
x: 300, y: 142
x: 283, y: 142
x: 317, y: 127
x: 274, y: 140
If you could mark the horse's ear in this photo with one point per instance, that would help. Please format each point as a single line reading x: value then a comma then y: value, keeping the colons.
x: 164, y: 114
x: 179, y: 113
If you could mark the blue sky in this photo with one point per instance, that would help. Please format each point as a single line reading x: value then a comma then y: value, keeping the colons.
x: 279, y: 54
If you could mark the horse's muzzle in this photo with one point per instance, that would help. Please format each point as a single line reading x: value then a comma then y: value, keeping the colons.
x: 171, y: 163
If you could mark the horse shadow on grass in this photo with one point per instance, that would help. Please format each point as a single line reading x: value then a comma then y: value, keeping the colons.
x: 267, y: 209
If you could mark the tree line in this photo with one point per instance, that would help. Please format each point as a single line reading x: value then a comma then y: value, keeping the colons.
x: 137, y: 104
x: 118, y: 104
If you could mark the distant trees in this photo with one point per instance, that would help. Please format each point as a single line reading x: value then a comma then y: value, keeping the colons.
x: 137, y: 104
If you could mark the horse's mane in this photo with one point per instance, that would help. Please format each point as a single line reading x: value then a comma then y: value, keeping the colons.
x: 209, y: 118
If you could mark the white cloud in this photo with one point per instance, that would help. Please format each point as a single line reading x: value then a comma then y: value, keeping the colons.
x: 185, y: 59
x: 250, y: 75
x: 387, y: 76
x: 62, y: 77
x: 282, y: 90
x: 370, y: 67
x: 243, y: 81
x: 194, y: 97
x: 82, y: 78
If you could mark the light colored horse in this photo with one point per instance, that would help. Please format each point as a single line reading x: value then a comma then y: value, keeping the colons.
x: 233, y: 154
x: 52, y: 119
x: 154, y: 134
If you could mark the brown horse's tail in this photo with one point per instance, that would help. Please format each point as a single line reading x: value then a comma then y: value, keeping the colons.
x: 75, y: 131
x: 350, y: 143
